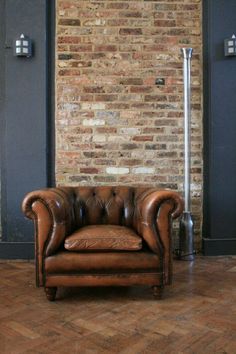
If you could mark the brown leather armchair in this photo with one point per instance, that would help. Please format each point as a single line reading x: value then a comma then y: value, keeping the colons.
x: 102, y: 236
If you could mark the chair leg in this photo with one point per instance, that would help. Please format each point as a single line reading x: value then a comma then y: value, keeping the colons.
x: 51, y: 293
x: 158, y: 291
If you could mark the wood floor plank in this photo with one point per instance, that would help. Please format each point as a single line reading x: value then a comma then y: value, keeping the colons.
x: 197, y: 314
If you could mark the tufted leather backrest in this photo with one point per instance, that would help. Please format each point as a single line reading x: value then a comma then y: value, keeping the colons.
x: 104, y: 205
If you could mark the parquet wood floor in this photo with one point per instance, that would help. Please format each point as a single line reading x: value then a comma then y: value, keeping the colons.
x: 197, y: 314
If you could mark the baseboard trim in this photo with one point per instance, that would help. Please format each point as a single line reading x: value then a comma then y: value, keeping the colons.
x: 16, y: 250
x: 219, y: 247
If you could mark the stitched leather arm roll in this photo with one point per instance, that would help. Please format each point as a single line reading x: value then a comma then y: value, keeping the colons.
x: 52, y: 211
x: 155, y: 210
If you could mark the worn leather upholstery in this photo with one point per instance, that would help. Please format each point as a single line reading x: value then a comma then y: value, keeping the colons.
x: 103, y: 238
x: 81, y: 262
x: 59, y: 212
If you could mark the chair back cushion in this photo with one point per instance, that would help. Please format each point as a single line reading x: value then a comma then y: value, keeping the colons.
x: 104, y: 205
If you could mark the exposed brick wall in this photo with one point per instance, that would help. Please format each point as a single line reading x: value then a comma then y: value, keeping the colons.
x: 114, y: 125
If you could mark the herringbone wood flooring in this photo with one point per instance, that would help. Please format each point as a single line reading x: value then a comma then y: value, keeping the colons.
x: 197, y: 314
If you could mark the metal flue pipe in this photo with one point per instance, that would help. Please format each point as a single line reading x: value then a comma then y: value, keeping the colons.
x: 186, y: 246
x: 187, y: 55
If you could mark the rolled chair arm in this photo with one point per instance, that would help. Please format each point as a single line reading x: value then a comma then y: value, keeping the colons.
x: 53, y: 215
x: 154, y: 214
x: 55, y: 206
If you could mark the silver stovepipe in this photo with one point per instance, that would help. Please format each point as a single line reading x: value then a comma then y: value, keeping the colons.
x: 187, y: 55
x: 186, y: 232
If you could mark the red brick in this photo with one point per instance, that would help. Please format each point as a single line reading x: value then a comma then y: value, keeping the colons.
x: 94, y: 89
x: 105, y: 48
x: 116, y: 22
x: 135, y: 14
x: 141, y: 89
x: 105, y: 98
x: 69, y: 22
x: 108, y: 130
x: 104, y: 162
x: 131, y: 162
x: 143, y: 138
x: 131, y: 81
x: 118, y: 5
x: 130, y: 31
x: 89, y: 170
x: 155, y: 98
x: 81, y: 48
x: 68, y: 72
x: 165, y: 23
x: 69, y: 39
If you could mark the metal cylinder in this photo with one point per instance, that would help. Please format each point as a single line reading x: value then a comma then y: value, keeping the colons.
x: 186, y: 246
x: 187, y: 55
x: 186, y: 232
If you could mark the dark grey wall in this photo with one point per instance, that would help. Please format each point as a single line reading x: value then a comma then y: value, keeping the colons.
x: 25, y: 119
x: 2, y: 94
x: 219, y: 229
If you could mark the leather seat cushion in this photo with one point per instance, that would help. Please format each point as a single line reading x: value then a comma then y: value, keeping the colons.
x: 103, y: 238
x: 80, y: 262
